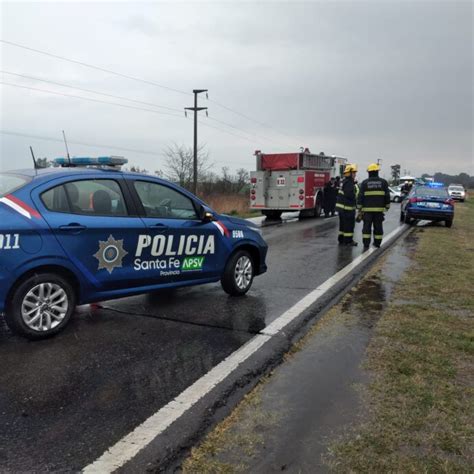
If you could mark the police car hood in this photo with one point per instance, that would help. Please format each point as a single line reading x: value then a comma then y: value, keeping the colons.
x: 239, y: 221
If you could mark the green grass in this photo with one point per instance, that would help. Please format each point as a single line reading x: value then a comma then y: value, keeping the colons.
x: 420, y: 405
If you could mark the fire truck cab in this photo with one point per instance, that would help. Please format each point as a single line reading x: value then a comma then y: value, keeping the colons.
x: 286, y: 182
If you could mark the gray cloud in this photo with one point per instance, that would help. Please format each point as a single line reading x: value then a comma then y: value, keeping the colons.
x: 363, y: 79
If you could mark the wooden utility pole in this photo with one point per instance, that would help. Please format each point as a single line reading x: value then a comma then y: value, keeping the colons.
x: 195, y: 109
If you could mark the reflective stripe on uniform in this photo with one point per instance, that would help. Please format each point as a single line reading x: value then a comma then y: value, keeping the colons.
x: 346, y: 208
x: 374, y: 193
x: 348, y: 234
x: 373, y: 209
x: 378, y: 237
x: 366, y: 236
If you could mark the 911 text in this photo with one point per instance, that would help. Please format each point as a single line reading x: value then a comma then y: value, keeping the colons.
x: 9, y: 241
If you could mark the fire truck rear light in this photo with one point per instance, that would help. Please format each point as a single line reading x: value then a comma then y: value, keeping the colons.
x: 301, y: 197
x: 253, y: 180
x: 253, y: 197
x: 301, y: 191
x: 300, y: 179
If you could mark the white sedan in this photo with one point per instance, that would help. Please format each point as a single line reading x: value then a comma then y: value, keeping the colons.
x: 395, y: 193
x: 456, y: 191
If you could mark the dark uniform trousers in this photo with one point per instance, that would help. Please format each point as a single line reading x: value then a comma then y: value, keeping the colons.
x: 374, y: 219
x: 346, y: 225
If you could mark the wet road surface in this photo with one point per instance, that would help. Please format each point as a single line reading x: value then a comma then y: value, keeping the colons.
x: 311, y: 399
x: 64, y: 401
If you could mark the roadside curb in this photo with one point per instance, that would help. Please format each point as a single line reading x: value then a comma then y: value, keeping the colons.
x: 168, y: 448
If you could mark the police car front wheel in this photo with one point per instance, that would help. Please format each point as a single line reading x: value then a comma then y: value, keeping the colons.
x: 238, y: 274
x: 41, y: 306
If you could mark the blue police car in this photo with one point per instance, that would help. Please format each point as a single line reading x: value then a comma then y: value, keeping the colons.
x: 429, y: 202
x: 88, y: 231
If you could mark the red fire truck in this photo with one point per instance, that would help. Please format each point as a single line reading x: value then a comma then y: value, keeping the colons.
x: 292, y: 182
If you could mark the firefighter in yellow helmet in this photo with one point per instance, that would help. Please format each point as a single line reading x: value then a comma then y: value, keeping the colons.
x: 372, y: 202
x: 346, y: 206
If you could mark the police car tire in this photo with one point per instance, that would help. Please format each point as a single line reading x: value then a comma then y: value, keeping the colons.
x: 228, y: 281
x: 13, y: 315
x: 448, y: 223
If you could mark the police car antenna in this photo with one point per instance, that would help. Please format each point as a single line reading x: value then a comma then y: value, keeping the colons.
x: 34, y: 159
x: 67, y: 149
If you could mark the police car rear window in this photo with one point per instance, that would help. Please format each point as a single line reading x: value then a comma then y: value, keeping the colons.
x: 11, y: 182
x: 428, y: 191
x: 101, y: 197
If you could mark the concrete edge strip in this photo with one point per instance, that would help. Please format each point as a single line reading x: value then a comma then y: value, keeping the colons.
x: 130, y: 445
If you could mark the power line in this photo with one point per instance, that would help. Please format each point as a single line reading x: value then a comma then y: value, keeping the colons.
x: 242, y: 130
x: 94, y: 145
x: 90, y: 90
x: 133, y: 78
x: 262, y: 124
x: 91, y: 66
x: 62, y: 84
x: 121, y: 105
x: 89, y: 99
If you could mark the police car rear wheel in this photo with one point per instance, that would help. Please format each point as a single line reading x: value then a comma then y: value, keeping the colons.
x: 238, y: 274
x: 41, y: 306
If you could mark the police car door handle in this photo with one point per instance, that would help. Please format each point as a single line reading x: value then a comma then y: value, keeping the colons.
x: 161, y: 227
x: 73, y: 227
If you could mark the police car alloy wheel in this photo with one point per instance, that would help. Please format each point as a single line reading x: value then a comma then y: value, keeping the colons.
x: 238, y: 274
x: 41, y: 306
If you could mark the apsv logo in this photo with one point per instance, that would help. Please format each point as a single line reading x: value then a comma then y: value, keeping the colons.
x: 192, y: 264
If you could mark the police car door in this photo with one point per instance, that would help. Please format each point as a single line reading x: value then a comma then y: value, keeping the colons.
x: 95, y: 227
x: 178, y: 246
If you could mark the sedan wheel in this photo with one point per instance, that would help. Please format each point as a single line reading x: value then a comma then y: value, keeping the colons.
x: 243, y: 272
x: 44, y: 307
x: 40, y: 306
x: 238, y: 274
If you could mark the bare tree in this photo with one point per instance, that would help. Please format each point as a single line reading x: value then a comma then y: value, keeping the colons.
x: 43, y: 163
x: 179, y: 164
x: 243, y: 177
x: 137, y: 169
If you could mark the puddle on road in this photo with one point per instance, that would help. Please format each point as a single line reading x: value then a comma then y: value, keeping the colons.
x: 286, y: 423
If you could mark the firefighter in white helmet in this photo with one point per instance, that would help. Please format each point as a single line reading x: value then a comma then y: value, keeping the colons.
x: 346, y: 206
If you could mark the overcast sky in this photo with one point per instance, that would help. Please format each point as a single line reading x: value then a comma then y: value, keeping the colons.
x: 364, y: 80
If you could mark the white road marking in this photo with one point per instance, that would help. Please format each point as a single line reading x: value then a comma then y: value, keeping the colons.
x: 129, y: 446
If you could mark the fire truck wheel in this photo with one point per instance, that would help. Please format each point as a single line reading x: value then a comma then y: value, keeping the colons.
x: 318, y: 207
x: 272, y: 214
x: 238, y: 274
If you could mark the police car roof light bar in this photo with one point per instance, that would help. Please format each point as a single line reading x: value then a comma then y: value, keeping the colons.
x: 91, y: 161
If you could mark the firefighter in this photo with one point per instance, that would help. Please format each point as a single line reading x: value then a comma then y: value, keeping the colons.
x: 372, y: 202
x: 330, y: 195
x: 346, y: 206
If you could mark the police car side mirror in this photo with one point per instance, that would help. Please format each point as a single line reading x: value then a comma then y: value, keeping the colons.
x: 205, y: 215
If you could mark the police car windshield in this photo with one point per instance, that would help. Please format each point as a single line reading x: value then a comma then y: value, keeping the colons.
x: 431, y: 192
x: 11, y: 182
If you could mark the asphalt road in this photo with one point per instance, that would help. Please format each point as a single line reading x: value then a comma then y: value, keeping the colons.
x: 64, y: 401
